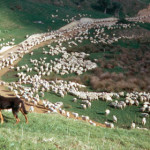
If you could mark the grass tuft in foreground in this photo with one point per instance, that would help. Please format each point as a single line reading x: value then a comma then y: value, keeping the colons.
x: 52, y: 131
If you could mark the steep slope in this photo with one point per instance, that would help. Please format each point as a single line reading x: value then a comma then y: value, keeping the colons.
x: 19, y: 18
x: 50, y: 131
x: 130, y: 7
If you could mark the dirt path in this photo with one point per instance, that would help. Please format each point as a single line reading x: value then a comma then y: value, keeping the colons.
x: 39, y: 108
x: 145, y: 13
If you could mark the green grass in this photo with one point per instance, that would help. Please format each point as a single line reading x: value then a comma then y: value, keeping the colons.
x: 146, y: 1
x: 125, y: 117
x: 16, y: 23
x: 12, y: 75
x: 116, y: 69
x: 96, y: 112
x: 21, y: 23
x: 145, y: 25
x: 67, y: 134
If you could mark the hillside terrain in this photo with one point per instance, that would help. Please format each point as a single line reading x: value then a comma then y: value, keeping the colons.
x: 82, y: 69
x: 50, y: 131
x: 129, y: 7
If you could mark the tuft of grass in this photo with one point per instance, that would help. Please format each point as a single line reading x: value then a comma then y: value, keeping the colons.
x: 52, y: 131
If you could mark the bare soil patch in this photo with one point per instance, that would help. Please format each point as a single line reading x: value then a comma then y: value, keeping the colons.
x: 145, y: 12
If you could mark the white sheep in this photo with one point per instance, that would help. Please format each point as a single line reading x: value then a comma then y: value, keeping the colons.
x: 67, y: 114
x: 83, y: 106
x: 107, y: 112
x: 31, y: 109
x: 86, y: 118
x: 144, y: 121
x: 92, y: 123
x: 74, y: 99
x: 114, y: 118
x: 76, y: 115
x: 133, y: 125
x: 109, y: 125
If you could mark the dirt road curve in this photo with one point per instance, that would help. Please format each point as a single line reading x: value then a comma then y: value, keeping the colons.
x: 4, y: 90
x: 39, y: 108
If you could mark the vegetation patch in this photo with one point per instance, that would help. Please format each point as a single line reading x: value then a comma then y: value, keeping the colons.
x: 46, y: 131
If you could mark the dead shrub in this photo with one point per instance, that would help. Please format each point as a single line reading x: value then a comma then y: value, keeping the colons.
x: 105, y: 76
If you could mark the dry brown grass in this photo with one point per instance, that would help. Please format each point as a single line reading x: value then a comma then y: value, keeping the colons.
x: 136, y: 70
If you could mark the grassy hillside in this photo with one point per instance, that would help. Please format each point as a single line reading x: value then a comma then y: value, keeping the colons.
x: 46, y: 131
x: 18, y: 18
x: 129, y: 7
x: 96, y: 112
x: 114, y: 73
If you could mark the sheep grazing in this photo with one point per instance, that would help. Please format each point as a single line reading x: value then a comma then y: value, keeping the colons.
x: 31, y: 109
x: 74, y: 62
x: 67, y: 114
x: 109, y: 125
x: 31, y: 53
x: 74, y: 99
x: 62, y: 111
x: 92, y: 123
x: 107, y: 97
x: 145, y: 115
x: 48, y: 112
x: 114, y: 119
x: 112, y: 125
x: 54, y: 111
x: 121, y: 94
x: 86, y: 118
x: 89, y: 104
x: 107, y: 112
x: 76, y: 115
x: 83, y: 106
x: 143, y: 121
x: 142, y: 109
x: 34, y: 102
x: 133, y: 125
x: 26, y: 36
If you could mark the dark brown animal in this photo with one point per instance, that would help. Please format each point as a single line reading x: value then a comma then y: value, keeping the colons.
x: 15, y: 104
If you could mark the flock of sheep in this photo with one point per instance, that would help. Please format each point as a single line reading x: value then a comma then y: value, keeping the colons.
x: 9, y: 43
x: 74, y: 62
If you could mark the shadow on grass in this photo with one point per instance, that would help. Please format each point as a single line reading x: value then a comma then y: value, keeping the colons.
x: 7, y: 119
x: 110, y: 120
x: 79, y: 107
x: 100, y: 113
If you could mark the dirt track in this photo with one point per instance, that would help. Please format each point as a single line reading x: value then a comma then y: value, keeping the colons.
x: 145, y: 12
x: 39, y: 108
x: 5, y: 92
